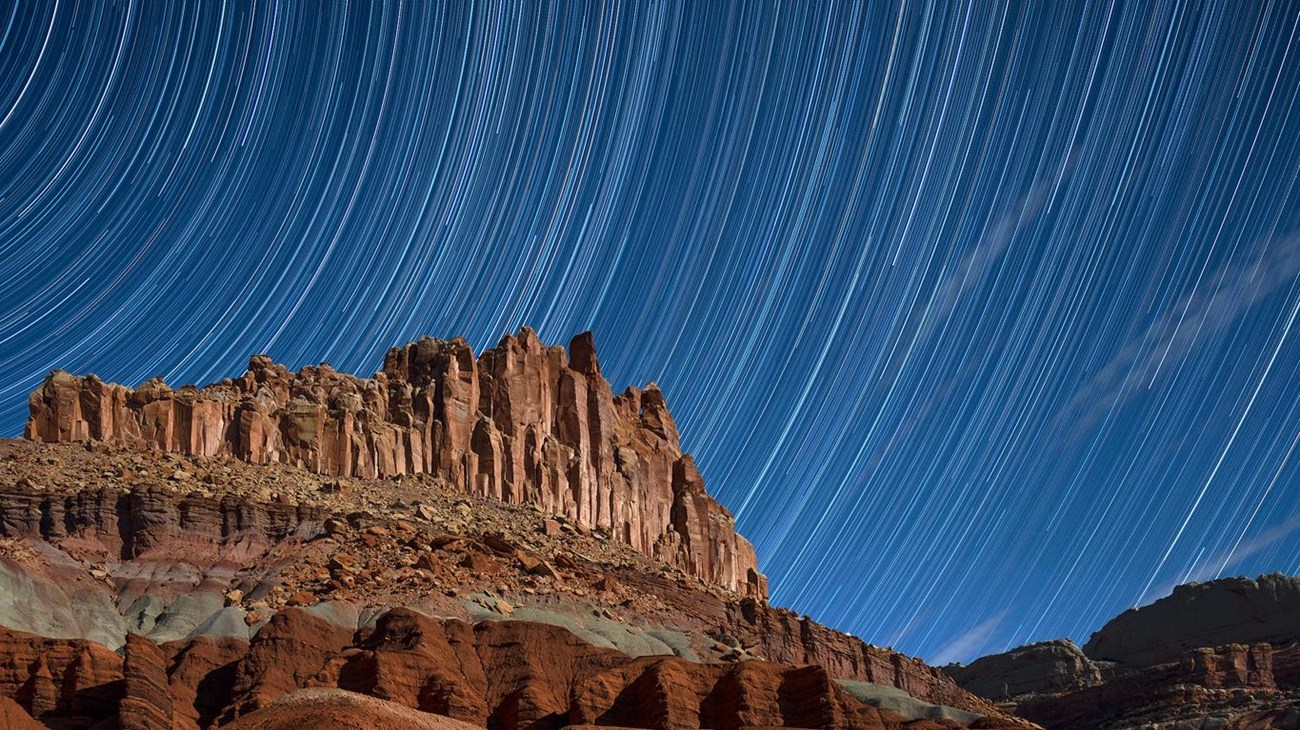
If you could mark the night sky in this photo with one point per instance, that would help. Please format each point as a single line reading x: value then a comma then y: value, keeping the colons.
x: 981, y: 318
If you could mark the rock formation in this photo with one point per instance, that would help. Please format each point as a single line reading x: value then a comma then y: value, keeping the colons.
x: 332, y: 709
x: 498, y: 674
x: 59, y: 677
x: 1231, y: 610
x: 269, y: 548
x: 124, y: 525
x: 1228, y: 686
x: 522, y: 423
x: 146, y: 702
x: 1224, y: 654
x: 251, y: 579
x: 1048, y: 666
x: 14, y: 717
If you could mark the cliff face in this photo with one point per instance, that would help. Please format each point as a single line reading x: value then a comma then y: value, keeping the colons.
x: 1217, y: 654
x: 1232, y: 686
x: 1231, y: 610
x: 522, y: 423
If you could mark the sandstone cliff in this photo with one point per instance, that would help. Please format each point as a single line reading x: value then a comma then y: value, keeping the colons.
x: 1231, y: 610
x: 522, y: 423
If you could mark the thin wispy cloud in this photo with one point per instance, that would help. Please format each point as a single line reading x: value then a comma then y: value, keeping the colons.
x: 974, y: 268
x: 970, y: 644
x: 1194, y: 319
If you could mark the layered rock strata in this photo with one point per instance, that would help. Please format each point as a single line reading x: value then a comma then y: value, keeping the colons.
x: 170, y: 556
x: 504, y: 675
x: 193, y: 527
x: 1229, y: 686
x: 522, y: 423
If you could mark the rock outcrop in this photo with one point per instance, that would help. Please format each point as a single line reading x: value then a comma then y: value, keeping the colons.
x: 1228, y: 686
x: 335, y: 709
x: 784, y: 636
x: 498, y: 674
x: 14, y: 717
x: 147, y: 699
x: 1044, y: 667
x: 66, y: 678
x: 522, y: 423
x: 101, y: 542
x: 1224, y: 654
x: 116, y: 525
x: 1232, y: 610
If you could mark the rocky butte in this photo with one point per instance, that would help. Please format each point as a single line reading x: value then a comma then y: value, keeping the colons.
x: 496, y: 541
x: 522, y: 423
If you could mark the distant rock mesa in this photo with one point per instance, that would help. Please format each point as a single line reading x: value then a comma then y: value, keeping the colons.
x: 1223, y: 654
x: 1231, y: 610
x: 522, y: 423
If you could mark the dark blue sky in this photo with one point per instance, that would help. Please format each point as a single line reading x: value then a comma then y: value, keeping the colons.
x: 982, y: 318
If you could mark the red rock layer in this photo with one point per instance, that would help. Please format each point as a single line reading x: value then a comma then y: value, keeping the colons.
x: 784, y: 636
x: 124, y: 525
x: 64, y: 678
x: 334, y: 709
x: 506, y: 675
x: 147, y: 700
x: 14, y: 717
x: 523, y: 423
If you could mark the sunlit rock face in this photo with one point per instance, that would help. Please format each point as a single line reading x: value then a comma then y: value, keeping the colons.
x: 523, y: 422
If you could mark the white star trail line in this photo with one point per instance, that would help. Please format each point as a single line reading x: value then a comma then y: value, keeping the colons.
x: 979, y: 316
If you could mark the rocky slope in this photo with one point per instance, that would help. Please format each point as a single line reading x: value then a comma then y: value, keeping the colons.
x: 326, y: 709
x: 1224, y: 654
x: 496, y: 540
x: 522, y: 423
x: 205, y: 572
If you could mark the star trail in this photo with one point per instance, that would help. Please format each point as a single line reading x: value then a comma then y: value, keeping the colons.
x: 982, y: 318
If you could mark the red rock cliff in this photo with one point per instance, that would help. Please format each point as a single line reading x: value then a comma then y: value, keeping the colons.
x: 523, y: 423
